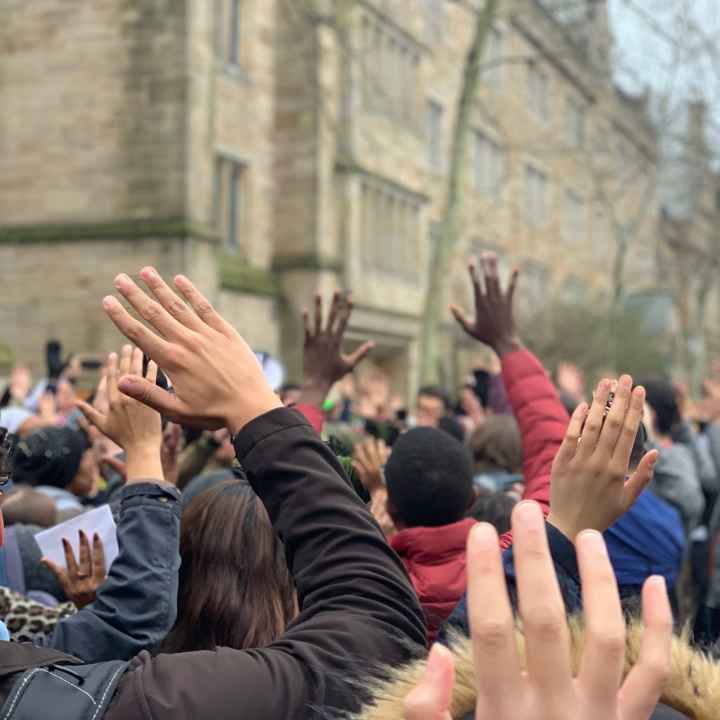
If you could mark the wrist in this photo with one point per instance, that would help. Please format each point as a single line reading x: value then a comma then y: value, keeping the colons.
x: 315, y: 390
x: 236, y: 421
x: 505, y: 346
x: 143, y: 462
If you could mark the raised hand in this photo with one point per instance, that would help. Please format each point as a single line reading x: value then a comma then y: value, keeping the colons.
x: 589, y: 487
x: 324, y: 362
x: 494, y: 322
x: 84, y: 576
x: 133, y: 426
x: 369, y: 460
x: 545, y: 687
x: 216, y: 377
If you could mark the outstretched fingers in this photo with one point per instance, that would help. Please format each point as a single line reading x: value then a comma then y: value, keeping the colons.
x: 202, y: 307
x: 603, y: 657
x: 165, y: 295
x: 572, y: 435
x: 615, y: 423
x: 640, y: 479
x: 492, y: 628
x: 355, y: 358
x: 135, y: 331
x: 644, y: 685
x: 594, y: 421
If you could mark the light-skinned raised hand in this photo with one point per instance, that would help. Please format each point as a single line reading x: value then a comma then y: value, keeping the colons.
x: 216, y: 378
x: 545, y: 687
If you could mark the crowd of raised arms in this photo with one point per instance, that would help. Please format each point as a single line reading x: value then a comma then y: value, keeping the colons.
x: 529, y: 553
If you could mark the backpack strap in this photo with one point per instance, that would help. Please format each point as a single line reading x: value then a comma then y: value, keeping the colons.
x: 75, y: 692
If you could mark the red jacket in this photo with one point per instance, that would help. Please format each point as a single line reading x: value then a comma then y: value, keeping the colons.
x: 435, y: 560
x: 542, y: 420
x: 435, y: 557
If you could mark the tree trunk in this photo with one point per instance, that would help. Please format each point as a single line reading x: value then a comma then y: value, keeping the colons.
x: 449, y: 230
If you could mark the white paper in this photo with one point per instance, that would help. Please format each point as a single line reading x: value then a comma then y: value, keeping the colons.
x: 98, y: 521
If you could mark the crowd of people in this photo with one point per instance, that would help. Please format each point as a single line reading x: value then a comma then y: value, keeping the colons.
x: 521, y: 548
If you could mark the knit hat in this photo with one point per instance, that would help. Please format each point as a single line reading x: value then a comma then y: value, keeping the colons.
x: 50, y: 456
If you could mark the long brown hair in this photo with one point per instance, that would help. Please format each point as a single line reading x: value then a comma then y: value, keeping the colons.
x: 235, y: 588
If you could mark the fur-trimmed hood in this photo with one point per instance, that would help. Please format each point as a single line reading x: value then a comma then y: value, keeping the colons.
x: 693, y: 688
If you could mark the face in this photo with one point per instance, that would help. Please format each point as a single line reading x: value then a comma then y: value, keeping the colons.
x: 84, y: 481
x: 428, y: 411
x: 65, y: 397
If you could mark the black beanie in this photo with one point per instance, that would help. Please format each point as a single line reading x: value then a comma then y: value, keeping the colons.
x: 429, y: 478
x: 50, y: 456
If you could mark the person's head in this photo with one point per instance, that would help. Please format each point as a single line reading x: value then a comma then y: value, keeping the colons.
x: 235, y: 587
x: 432, y: 404
x: 59, y: 457
x: 19, y: 421
x: 429, y: 479
x: 496, y: 446
x: 65, y: 397
x: 495, y: 508
x: 661, y: 396
x: 289, y: 393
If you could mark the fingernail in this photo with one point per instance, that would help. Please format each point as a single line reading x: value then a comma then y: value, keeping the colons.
x: 122, y: 280
x: 657, y: 581
x: 149, y: 272
x: 108, y: 301
x: 603, y: 386
x: 639, y: 392
x: 484, y: 536
x: 434, y: 661
x: 613, y: 386
x: 592, y: 541
x: 528, y: 514
x: 626, y: 382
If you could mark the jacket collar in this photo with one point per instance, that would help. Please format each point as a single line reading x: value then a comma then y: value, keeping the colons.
x: 432, y: 544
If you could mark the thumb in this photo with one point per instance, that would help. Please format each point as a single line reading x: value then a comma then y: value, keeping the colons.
x: 151, y: 395
x: 432, y: 697
x: 91, y: 415
x: 461, y: 318
x: 640, y: 479
x: 359, y: 355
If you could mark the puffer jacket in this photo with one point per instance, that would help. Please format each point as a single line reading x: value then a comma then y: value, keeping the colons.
x: 435, y: 560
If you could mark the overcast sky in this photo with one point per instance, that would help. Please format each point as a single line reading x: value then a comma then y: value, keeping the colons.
x: 669, y: 45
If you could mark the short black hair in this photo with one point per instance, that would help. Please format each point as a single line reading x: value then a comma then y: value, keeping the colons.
x: 662, y: 398
x: 429, y: 478
x: 436, y: 392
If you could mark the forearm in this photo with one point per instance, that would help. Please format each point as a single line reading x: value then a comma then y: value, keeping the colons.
x: 136, y: 606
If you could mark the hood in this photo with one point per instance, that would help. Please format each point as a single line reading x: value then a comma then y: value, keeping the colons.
x: 435, y: 558
x: 693, y: 688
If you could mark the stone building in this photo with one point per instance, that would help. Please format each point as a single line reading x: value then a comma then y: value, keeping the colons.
x: 273, y: 148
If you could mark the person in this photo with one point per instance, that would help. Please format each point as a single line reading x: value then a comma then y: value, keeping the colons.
x: 429, y: 492
x: 114, y: 626
x: 677, y: 480
x: 502, y: 673
x: 333, y: 546
x: 60, y: 463
x: 497, y: 452
x: 433, y: 409
x: 234, y: 589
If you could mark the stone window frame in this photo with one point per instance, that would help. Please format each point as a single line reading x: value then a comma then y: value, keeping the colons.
x: 435, y: 134
x: 228, y: 42
x: 231, y: 209
x: 498, y: 162
x: 534, y: 170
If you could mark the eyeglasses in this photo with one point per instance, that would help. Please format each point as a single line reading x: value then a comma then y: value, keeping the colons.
x: 6, y: 450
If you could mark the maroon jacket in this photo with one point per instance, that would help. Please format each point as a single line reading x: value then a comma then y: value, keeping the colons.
x: 435, y: 557
x: 435, y: 560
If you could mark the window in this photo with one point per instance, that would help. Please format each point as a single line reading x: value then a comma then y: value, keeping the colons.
x: 435, y: 135
x: 574, y: 227
x: 493, y: 71
x: 536, y: 279
x: 434, y: 20
x: 488, y: 165
x: 536, y: 197
x: 575, y: 122
x: 539, y: 91
x: 228, y: 26
x: 230, y: 201
x: 390, y: 220
x: 391, y: 72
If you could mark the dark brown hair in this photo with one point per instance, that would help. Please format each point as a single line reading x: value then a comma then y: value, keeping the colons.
x: 497, y: 446
x: 235, y: 587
